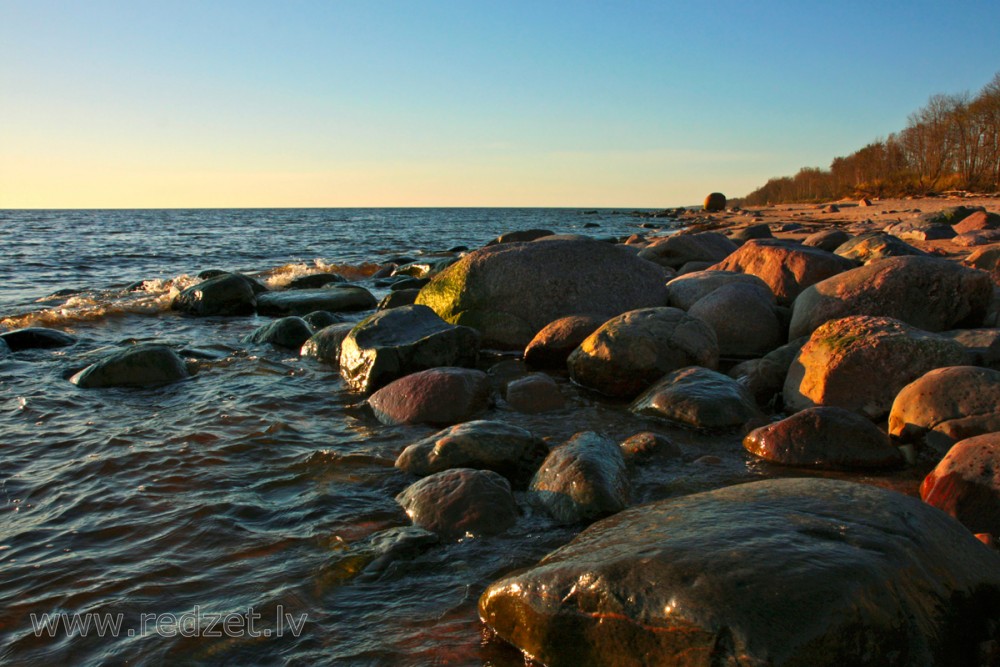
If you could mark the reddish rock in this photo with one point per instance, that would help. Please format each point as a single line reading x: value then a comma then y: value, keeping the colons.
x: 827, y: 239
x: 436, y: 396
x: 647, y: 445
x: 966, y: 483
x: 687, y: 290
x: 678, y: 249
x: 553, y: 344
x: 946, y: 405
x: 824, y: 437
x: 977, y: 221
x: 860, y: 363
x: 700, y: 398
x: 787, y: 269
x: 926, y: 292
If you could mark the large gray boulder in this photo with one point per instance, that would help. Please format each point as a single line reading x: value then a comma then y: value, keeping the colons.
x: 511, y: 290
x: 630, y: 352
x: 926, y: 292
x: 393, y: 343
x: 226, y: 294
x: 335, y: 298
x: 581, y: 480
x: 787, y: 572
x: 484, y: 445
x: 144, y: 365
x: 700, y: 398
x: 860, y: 363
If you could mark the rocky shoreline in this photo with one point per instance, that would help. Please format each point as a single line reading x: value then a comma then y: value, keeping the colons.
x: 855, y: 337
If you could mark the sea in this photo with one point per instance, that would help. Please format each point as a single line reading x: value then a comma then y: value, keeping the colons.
x: 230, y: 518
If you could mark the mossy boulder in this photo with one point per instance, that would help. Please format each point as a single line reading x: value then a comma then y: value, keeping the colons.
x: 510, y: 291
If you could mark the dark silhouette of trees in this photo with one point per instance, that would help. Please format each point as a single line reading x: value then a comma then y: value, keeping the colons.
x: 952, y: 143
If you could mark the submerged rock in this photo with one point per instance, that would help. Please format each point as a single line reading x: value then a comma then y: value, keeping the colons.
x: 314, y: 280
x: 290, y: 332
x: 436, y: 396
x: 136, y: 366
x: 225, y: 294
x: 458, y: 502
x: 393, y: 343
x: 646, y: 445
x: 861, y: 363
x: 335, y: 298
x: 534, y: 393
x: 583, y: 479
x: 633, y: 350
x: 505, y: 449
x: 966, y: 483
x: 31, y: 338
x: 926, y: 292
x: 782, y: 572
x: 824, y: 437
x: 510, y: 291
x: 946, y: 405
x: 700, y: 398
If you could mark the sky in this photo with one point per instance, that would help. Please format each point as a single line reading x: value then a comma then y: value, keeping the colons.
x: 344, y: 103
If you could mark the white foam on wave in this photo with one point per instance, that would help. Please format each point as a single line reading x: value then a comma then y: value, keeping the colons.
x: 152, y: 298
x: 279, y: 277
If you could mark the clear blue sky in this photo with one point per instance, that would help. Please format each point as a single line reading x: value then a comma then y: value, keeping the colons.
x: 494, y: 103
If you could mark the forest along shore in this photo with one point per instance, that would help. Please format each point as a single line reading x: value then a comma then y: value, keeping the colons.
x: 838, y: 365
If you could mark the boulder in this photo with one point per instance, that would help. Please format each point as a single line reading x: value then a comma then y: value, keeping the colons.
x: 678, y: 249
x: 436, y: 396
x: 631, y: 351
x: 581, y: 480
x: 505, y: 449
x: 744, y: 234
x: 226, y: 294
x: 393, y: 343
x: 335, y: 298
x: 314, y: 281
x: 319, y: 319
x: 812, y: 572
x: 743, y: 318
x: 143, y: 365
x: 406, y: 297
x: 875, y: 245
x: 700, y: 398
x: 986, y: 259
x: 787, y: 269
x: 510, y: 291
x: 716, y: 201
x: 534, y: 393
x: 981, y: 345
x: 324, y: 345
x: 946, y: 405
x: 685, y: 291
x: 977, y: 221
x: 553, y: 344
x: 979, y: 238
x: 860, y: 363
x: 31, y: 338
x: 461, y: 502
x: 290, y: 332
x: 4, y: 349
x: 951, y: 215
x: 830, y: 438
x: 926, y: 292
x: 827, y: 239
x: 764, y: 378
x: 920, y: 230
x: 966, y: 483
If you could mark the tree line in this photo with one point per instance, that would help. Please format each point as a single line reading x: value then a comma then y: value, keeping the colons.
x: 953, y: 143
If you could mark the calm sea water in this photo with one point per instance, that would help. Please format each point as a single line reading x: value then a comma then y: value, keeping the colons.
x: 257, y: 487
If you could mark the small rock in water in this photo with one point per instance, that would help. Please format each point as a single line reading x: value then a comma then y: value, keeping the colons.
x: 137, y: 366
x: 582, y: 480
x: 300, y: 302
x: 535, y: 393
x: 436, y: 396
x: 35, y: 338
x: 319, y: 319
x: 459, y: 502
x: 225, y: 294
x: 406, y: 297
x: 647, y: 445
x: 314, y: 281
x: 698, y: 397
x: 290, y: 332
x: 324, y: 345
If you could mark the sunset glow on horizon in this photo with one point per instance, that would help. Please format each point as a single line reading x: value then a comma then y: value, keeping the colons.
x: 111, y: 104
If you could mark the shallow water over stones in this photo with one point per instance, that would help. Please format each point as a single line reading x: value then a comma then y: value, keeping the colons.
x: 260, y: 482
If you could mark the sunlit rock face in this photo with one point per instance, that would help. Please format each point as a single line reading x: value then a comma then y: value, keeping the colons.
x: 780, y: 572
